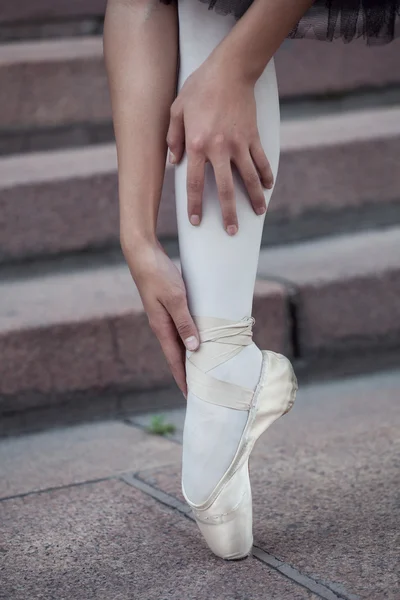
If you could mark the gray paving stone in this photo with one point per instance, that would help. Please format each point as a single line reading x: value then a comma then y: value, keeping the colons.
x: 77, y: 454
x: 326, y: 483
x: 326, y: 499
x: 108, y: 541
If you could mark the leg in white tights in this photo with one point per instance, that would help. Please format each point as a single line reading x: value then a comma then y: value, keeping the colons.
x: 219, y: 270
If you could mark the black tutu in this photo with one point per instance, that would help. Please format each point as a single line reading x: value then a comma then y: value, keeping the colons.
x: 376, y: 21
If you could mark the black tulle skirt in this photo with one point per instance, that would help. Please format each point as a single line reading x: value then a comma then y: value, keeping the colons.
x: 375, y: 21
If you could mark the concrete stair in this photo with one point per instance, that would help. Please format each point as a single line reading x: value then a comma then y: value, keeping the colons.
x: 74, y: 339
x: 80, y: 335
x: 66, y: 110
x: 337, y: 172
x: 45, y: 10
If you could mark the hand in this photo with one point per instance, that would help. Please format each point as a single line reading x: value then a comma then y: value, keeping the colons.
x: 214, y: 118
x: 163, y: 294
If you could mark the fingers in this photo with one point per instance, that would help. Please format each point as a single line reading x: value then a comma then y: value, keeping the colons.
x: 195, y: 183
x: 262, y: 164
x: 173, y: 324
x: 254, y: 169
x: 226, y: 191
x: 176, y: 134
x: 176, y: 305
x: 171, y: 345
x: 173, y: 351
x: 251, y: 180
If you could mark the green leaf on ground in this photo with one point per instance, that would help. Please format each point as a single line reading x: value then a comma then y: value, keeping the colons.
x: 158, y: 426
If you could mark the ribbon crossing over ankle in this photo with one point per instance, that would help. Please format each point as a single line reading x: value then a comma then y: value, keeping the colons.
x: 220, y: 340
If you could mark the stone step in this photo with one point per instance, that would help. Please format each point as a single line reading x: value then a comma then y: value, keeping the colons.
x: 83, y: 337
x: 337, y: 173
x: 345, y: 291
x: 47, y: 10
x: 67, y: 83
x: 79, y: 339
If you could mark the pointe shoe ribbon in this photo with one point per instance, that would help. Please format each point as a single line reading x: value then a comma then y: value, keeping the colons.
x: 220, y: 340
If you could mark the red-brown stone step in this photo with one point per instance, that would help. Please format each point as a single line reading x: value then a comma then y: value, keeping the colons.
x: 42, y: 10
x: 343, y: 165
x: 60, y: 82
x: 86, y: 333
x: 346, y: 291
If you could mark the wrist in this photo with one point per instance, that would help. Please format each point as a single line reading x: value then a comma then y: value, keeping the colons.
x: 135, y: 242
x: 236, y: 63
x: 138, y: 222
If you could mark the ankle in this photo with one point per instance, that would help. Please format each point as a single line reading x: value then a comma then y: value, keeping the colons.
x: 243, y: 369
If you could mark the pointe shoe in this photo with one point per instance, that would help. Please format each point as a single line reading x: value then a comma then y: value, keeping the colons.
x: 225, y: 518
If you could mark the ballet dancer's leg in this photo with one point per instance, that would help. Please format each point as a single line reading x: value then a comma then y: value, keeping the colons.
x: 219, y: 270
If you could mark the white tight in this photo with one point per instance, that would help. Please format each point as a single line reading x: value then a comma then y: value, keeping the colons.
x: 219, y: 270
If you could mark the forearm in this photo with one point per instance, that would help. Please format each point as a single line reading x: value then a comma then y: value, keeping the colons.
x: 140, y: 50
x: 253, y: 41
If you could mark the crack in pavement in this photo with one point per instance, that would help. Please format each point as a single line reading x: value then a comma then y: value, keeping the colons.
x: 312, y: 585
x: 57, y: 487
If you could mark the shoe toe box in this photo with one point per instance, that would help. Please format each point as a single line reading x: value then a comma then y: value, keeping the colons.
x: 228, y: 534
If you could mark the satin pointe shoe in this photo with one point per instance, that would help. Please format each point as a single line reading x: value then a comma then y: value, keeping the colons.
x: 225, y: 518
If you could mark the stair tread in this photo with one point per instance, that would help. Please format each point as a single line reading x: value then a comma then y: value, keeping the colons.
x: 51, y: 50
x: 74, y: 296
x: 340, y: 128
x: 38, y: 167
x: 303, y: 133
x: 338, y: 257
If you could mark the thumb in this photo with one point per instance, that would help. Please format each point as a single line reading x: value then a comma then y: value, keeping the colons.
x: 185, y: 326
x: 176, y: 135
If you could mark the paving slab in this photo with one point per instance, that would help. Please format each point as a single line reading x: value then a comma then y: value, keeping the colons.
x: 326, y: 483
x: 108, y: 540
x: 173, y: 416
x: 76, y: 454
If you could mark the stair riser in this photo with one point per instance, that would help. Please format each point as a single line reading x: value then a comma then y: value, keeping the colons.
x: 42, y: 10
x: 340, y: 316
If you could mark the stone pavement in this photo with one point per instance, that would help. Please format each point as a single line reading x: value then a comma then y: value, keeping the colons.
x: 95, y: 511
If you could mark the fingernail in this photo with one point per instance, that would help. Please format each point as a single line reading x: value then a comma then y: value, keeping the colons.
x: 261, y: 210
x: 195, y: 220
x: 191, y: 343
x: 232, y: 229
x: 172, y: 158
